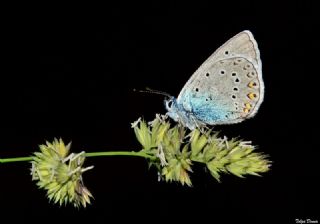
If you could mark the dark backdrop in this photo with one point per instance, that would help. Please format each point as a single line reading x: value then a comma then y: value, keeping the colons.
x: 69, y: 72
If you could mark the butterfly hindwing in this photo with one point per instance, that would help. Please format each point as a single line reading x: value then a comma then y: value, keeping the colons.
x: 226, y: 92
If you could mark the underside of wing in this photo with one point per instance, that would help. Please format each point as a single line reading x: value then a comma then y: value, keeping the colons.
x: 241, y: 45
x: 209, y: 94
x: 226, y: 92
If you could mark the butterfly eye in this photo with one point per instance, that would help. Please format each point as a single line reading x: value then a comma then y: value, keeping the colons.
x: 169, y: 104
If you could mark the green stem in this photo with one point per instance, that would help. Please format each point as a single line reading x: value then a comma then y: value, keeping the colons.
x: 16, y: 159
x: 120, y: 153
x: 89, y: 154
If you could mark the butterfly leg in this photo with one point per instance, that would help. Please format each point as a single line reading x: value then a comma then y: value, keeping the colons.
x: 202, y: 127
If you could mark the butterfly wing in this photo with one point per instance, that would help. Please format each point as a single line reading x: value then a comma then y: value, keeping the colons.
x: 228, y: 86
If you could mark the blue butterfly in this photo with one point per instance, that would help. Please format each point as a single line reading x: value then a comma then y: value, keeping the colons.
x: 227, y: 88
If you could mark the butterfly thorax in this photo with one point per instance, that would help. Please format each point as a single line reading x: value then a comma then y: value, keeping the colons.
x: 178, y: 113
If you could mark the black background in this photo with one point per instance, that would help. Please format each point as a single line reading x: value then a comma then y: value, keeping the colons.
x: 70, y: 72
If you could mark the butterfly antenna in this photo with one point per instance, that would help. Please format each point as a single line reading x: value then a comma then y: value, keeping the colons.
x: 148, y: 90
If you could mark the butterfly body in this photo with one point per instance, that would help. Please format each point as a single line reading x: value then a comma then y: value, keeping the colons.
x: 178, y: 113
x: 226, y: 89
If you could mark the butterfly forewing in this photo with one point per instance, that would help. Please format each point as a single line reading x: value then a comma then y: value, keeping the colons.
x: 228, y: 86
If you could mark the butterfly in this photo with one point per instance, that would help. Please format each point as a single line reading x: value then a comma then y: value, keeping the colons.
x: 226, y: 89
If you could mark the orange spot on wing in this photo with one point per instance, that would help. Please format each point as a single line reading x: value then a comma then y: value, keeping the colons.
x: 246, y: 110
x: 252, y: 84
x: 252, y: 96
x: 248, y: 106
